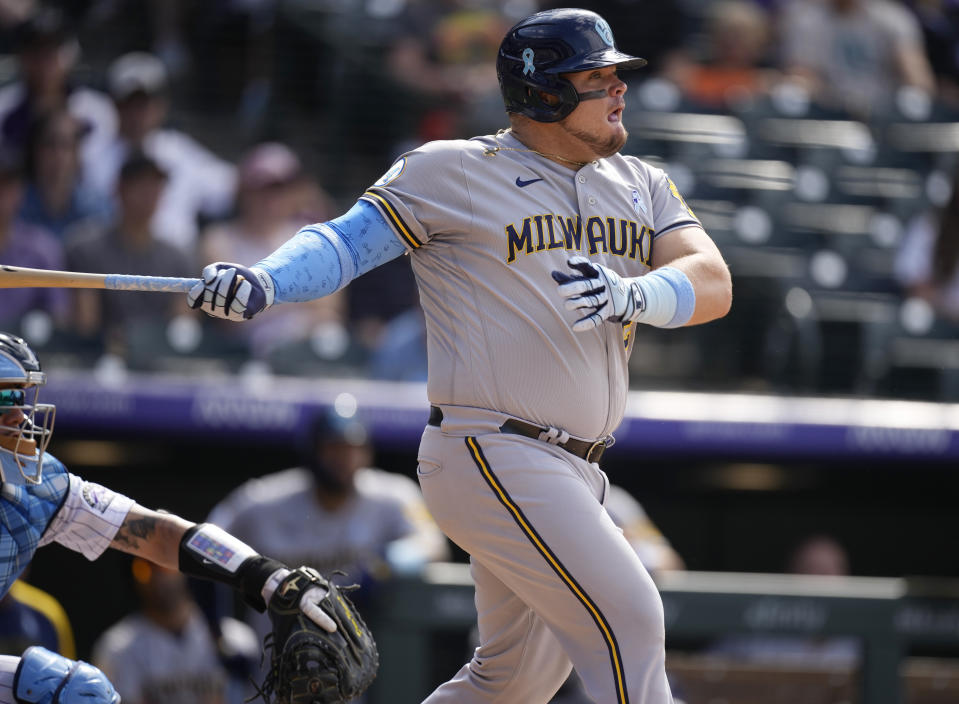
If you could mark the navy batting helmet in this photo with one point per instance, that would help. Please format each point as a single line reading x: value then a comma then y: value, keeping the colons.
x: 538, y: 49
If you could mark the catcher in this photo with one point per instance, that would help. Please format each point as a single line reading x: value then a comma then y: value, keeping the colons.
x: 321, y: 650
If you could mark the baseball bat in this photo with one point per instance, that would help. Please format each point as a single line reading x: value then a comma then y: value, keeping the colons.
x: 21, y: 277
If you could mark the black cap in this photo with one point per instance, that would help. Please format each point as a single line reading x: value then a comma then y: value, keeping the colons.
x: 140, y: 164
x: 332, y: 426
x: 46, y: 27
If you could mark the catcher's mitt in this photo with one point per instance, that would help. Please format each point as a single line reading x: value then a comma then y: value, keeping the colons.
x: 310, y: 665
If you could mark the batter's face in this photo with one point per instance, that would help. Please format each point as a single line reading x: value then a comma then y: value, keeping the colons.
x: 598, y: 123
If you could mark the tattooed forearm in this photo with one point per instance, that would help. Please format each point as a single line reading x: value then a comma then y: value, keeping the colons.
x: 135, y: 530
x: 152, y: 535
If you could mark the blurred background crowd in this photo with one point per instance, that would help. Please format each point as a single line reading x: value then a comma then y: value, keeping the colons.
x: 817, y: 140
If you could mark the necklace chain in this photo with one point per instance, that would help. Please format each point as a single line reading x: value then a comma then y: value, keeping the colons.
x: 491, y: 151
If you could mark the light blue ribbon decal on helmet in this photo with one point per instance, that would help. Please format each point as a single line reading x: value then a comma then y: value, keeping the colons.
x: 528, y: 67
x: 604, y: 32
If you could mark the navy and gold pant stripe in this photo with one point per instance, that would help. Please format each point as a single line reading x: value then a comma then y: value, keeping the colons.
x: 395, y: 220
x: 615, y: 656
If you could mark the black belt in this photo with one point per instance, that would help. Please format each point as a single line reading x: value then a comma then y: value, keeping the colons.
x: 584, y: 449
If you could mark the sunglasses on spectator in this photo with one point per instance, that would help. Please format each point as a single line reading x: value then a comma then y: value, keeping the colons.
x: 12, y: 397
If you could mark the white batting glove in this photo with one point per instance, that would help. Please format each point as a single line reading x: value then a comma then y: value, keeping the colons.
x: 600, y: 293
x: 309, y: 602
x: 232, y: 291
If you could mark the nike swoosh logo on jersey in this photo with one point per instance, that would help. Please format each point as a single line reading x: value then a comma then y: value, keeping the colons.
x: 523, y: 184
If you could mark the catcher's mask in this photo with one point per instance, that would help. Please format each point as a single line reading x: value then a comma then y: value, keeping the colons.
x: 537, y: 50
x: 25, y: 425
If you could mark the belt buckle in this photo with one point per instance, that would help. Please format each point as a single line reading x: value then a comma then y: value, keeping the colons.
x: 599, y: 445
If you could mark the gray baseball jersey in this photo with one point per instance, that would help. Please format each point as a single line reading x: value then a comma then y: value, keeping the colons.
x: 486, y: 221
x: 278, y: 514
x: 151, y: 665
x: 484, y: 230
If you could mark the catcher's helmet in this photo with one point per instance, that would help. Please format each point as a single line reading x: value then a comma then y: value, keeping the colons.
x: 26, y: 436
x: 537, y: 50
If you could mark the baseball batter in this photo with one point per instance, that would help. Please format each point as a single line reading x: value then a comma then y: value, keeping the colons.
x: 41, y: 503
x: 537, y: 252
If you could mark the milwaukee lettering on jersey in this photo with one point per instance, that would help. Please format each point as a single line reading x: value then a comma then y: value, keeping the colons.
x: 607, y: 235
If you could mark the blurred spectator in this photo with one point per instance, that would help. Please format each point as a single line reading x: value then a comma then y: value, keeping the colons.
x: 436, y: 73
x: 22, y: 244
x: 927, y: 265
x: 29, y: 616
x: 57, y: 198
x: 819, y: 554
x: 335, y: 512
x: 274, y: 199
x: 167, y: 40
x: 201, y: 184
x: 232, y: 45
x: 450, y: 68
x: 732, y: 67
x: 12, y: 14
x: 939, y: 20
x: 47, y: 51
x: 655, y: 29
x: 130, y: 244
x: 654, y: 550
x: 815, y: 554
x: 166, y: 653
x: 380, y: 325
x: 854, y: 54
x: 15, y: 11
x: 400, y: 351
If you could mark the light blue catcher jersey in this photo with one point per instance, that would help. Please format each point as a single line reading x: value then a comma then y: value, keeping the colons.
x: 25, y: 512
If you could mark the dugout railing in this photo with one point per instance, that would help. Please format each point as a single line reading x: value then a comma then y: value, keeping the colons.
x: 890, y: 617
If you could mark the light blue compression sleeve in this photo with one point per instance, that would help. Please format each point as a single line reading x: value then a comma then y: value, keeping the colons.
x: 670, y: 298
x: 325, y: 257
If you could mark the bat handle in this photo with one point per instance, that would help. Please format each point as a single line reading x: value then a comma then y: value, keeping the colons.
x: 131, y: 282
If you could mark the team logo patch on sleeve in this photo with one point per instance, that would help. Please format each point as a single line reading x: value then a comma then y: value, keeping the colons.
x: 677, y: 196
x: 392, y: 173
x: 97, y: 497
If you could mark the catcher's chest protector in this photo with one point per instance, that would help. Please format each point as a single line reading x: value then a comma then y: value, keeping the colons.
x: 25, y: 512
